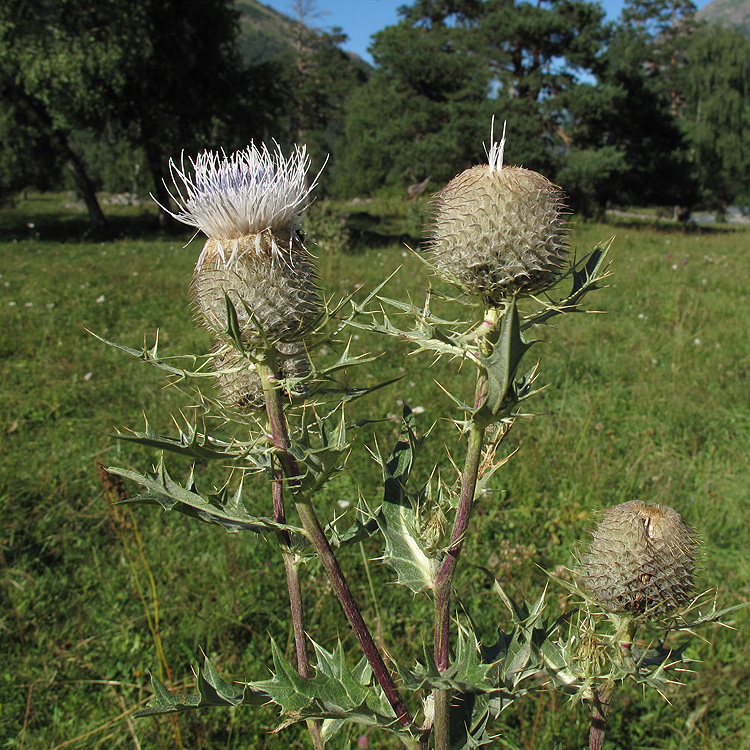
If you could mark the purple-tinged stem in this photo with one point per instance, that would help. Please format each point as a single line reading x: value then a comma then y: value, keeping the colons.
x: 314, y: 531
x: 292, y: 578
x: 292, y: 581
x: 602, y: 703
x: 444, y: 580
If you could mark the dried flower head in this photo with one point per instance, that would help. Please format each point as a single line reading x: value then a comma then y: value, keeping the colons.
x: 641, y: 558
x: 498, y: 230
x: 229, y: 197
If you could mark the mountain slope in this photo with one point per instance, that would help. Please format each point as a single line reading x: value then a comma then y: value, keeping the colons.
x: 264, y: 32
x: 734, y: 13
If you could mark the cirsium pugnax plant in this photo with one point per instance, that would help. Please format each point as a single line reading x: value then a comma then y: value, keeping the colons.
x: 256, y: 291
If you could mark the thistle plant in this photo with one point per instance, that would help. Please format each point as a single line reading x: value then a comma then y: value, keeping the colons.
x: 498, y: 246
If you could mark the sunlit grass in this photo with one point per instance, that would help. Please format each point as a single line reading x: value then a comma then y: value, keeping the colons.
x: 647, y: 400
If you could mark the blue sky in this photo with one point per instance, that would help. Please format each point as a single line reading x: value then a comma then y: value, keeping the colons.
x: 361, y: 18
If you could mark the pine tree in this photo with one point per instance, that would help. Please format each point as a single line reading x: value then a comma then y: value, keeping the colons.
x: 717, y: 113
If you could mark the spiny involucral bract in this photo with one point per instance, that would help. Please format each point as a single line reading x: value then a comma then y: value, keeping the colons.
x: 275, y: 294
x: 499, y: 231
x: 641, y: 558
x: 239, y: 381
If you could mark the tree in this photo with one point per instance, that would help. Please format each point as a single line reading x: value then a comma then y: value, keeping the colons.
x: 319, y: 77
x: 631, y: 115
x: 644, y: 156
x: 663, y: 29
x: 446, y: 67
x: 717, y: 113
x: 419, y: 116
x: 59, y: 66
x: 538, y: 50
x: 161, y: 74
x: 182, y: 83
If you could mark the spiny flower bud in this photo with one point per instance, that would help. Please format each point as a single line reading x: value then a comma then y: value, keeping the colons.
x: 499, y: 231
x: 249, y: 205
x: 275, y: 292
x: 239, y: 382
x: 641, y: 557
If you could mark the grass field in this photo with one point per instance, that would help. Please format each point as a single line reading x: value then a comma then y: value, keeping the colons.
x: 650, y: 400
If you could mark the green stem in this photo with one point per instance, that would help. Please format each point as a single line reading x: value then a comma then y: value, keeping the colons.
x: 314, y: 531
x: 486, y: 334
x: 444, y: 580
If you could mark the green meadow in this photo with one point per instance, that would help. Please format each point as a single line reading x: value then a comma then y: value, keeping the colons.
x: 650, y: 400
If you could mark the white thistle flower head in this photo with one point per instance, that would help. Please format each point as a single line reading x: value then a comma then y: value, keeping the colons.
x: 249, y: 192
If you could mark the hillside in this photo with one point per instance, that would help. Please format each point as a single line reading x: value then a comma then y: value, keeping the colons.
x: 265, y: 33
x: 728, y: 13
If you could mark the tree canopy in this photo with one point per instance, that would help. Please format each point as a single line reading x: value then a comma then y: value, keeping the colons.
x: 651, y: 109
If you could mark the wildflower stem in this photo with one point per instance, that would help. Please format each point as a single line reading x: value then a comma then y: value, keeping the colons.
x: 444, y: 581
x: 291, y: 569
x: 314, y: 531
x: 292, y: 576
x: 602, y: 703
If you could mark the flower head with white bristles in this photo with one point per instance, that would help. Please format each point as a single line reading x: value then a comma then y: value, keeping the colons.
x: 253, y: 190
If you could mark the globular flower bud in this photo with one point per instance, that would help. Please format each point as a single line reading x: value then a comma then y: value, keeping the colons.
x: 239, y: 382
x: 641, y: 558
x: 274, y: 294
x: 499, y: 231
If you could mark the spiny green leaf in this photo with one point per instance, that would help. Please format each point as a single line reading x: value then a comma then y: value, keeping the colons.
x: 165, y: 701
x: 234, y: 329
x: 320, y: 453
x: 152, y: 357
x: 427, y: 334
x: 587, y: 275
x: 501, y: 366
x: 219, y: 508
x: 212, y: 691
x: 189, y: 443
x: 334, y: 692
x: 405, y: 551
x: 363, y: 527
x: 467, y: 670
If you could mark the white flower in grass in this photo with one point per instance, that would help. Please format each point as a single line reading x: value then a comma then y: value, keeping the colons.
x: 249, y: 192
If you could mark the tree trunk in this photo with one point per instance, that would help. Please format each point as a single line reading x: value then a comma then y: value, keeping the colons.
x: 154, y: 159
x: 83, y: 183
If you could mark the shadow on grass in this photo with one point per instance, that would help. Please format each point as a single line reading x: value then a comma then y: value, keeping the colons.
x: 665, y: 226
x: 371, y: 232
x: 46, y: 217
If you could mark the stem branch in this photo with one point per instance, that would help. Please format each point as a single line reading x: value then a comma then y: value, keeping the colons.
x: 313, y: 529
x: 444, y: 581
x: 602, y: 703
x: 291, y: 568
